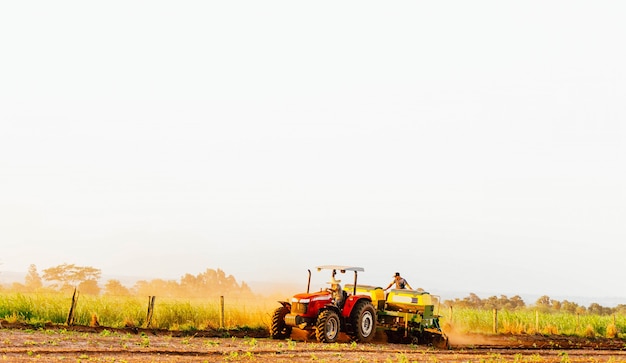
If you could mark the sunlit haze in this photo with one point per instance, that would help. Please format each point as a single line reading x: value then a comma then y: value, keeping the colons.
x: 473, y: 146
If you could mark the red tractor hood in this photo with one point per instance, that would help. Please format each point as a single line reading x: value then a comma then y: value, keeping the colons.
x: 315, y: 296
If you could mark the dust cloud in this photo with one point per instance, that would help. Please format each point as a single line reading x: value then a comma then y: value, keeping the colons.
x: 457, y: 337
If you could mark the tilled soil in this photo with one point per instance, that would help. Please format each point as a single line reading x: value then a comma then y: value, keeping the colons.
x: 21, y: 343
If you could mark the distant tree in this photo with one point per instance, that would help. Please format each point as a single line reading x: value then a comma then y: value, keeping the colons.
x: 598, y: 309
x: 544, y: 302
x: 568, y: 306
x: 160, y: 287
x: 115, y: 288
x: 473, y: 301
x: 620, y: 309
x: 516, y: 302
x: 32, y: 281
x: 70, y: 275
x: 210, y: 283
x: 89, y: 287
x: 245, y: 289
x: 595, y: 308
x: 18, y: 287
x: 491, y: 303
x: 142, y: 287
x: 467, y: 302
x: 192, y: 282
x: 505, y: 303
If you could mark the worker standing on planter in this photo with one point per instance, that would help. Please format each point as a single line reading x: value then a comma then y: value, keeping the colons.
x: 401, y: 282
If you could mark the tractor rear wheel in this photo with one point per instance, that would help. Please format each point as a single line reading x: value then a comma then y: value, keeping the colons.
x: 363, y: 321
x: 279, y: 329
x: 327, y: 327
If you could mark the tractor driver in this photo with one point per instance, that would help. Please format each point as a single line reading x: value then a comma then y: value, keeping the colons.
x: 335, y: 288
x: 400, y: 282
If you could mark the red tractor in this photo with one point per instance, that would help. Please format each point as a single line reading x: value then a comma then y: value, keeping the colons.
x: 327, y: 312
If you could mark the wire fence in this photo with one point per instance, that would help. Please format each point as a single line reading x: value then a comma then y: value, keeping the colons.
x: 219, y: 312
x: 227, y: 312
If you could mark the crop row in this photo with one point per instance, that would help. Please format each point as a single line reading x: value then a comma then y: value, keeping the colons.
x: 532, y: 321
x: 218, y: 312
x: 131, y: 311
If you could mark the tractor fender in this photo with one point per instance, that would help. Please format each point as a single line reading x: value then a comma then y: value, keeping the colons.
x: 351, y: 302
x: 330, y: 307
x: 285, y: 304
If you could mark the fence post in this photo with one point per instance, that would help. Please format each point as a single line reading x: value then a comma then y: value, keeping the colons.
x: 450, y: 315
x: 70, y: 315
x: 222, y: 312
x: 495, y: 321
x: 150, y: 310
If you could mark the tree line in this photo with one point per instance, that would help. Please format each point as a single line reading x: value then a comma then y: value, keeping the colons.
x: 211, y: 283
x: 544, y: 304
x: 66, y: 277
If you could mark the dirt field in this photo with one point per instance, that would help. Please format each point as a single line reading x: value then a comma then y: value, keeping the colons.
x: 84, y: 344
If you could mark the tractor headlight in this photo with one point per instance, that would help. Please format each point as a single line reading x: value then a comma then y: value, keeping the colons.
x: 300, y: 306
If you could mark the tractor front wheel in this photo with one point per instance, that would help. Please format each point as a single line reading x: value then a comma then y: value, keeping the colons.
x: 327, y: 327
x: 279, y: 329
x: 363, y: 321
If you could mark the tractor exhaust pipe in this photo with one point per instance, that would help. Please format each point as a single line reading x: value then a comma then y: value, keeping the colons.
x: 308, y: 285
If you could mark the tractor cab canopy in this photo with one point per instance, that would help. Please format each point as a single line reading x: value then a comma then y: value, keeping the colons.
x: 342, y: 269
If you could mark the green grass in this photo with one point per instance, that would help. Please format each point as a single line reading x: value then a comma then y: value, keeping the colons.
x: 199, y: 314
x: 116, y: 312
x: 529, y: 321
x: 33, y: 308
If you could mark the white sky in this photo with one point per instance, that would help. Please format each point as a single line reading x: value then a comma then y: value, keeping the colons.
x: 474, y: 146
